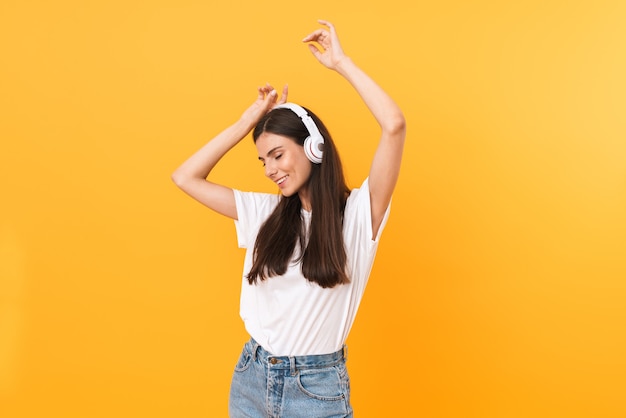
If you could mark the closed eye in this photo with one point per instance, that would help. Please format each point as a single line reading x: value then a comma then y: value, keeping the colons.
x: 277, y: 154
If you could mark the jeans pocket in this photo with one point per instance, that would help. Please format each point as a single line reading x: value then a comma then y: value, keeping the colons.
x: 324, y: 384
x: 244, y: 361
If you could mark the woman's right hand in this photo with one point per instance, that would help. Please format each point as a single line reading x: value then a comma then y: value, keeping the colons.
x: 266, y: 100
x: 191, y: 176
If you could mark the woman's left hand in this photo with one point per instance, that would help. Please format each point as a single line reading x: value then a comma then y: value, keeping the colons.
x: 331, y: 53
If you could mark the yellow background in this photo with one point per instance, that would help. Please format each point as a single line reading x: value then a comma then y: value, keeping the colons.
x: 500, y: 285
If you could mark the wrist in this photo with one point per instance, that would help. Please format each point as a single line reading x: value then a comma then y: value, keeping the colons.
x: 247, y: 122
x: 343, y: 64
x: 244, y: 125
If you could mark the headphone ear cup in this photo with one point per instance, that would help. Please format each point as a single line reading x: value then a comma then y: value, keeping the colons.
x: 313, y: 148
x: 314, y: 143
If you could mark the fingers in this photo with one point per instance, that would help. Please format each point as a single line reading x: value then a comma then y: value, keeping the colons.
x: 326, y: 23
x: 314, y: 36
x: 331, y: 28
x: 266, y: 91
x: 269, y: 96
x: 316, y: 52
x: 283, y: 97
x: 267, y: 88
x: 325, y: 38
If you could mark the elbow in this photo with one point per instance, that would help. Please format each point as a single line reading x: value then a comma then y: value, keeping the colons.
x: 184, y: 179
x: 395, y: 125
x: 179, y: 179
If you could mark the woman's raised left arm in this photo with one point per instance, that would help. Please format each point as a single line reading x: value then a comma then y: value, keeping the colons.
x: 385, y: 166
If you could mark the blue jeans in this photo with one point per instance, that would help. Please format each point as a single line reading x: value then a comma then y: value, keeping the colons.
x: 268, y: 386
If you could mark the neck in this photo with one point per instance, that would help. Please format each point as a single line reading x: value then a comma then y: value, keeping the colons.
x: 305, y: 200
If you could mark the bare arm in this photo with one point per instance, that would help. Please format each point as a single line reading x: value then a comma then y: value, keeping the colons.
x: 192, y: 175
x: 385, y: 166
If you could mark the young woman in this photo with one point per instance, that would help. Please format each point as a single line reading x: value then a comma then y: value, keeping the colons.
x: 310, y: 249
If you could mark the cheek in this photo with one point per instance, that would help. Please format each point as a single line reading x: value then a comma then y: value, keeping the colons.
x: 305, y: 168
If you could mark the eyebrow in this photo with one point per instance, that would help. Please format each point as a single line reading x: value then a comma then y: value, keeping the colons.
x: 270, y: 152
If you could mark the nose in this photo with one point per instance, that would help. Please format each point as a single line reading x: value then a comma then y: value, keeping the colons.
x: 270, y: 169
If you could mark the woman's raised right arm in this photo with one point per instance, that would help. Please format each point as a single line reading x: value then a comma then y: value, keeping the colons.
x: 191, y: 176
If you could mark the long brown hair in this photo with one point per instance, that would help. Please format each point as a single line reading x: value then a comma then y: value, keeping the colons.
x: 323, y: 256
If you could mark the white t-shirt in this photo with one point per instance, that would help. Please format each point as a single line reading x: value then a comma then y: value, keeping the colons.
x: 289, y: 315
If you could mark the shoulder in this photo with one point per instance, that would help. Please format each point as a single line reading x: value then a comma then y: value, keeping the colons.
x: 358, y: 212
x: 252, y: 210
x: 259, y: 205
x: 359, y: 197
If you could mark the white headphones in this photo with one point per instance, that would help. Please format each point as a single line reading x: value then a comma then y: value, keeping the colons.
x: 314, y: 143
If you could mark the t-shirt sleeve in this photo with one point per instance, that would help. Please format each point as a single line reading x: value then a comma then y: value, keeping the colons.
x: 358, y: 215
x: 252, y: 210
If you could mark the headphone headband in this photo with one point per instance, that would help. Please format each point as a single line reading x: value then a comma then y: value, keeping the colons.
x: 314, y: 143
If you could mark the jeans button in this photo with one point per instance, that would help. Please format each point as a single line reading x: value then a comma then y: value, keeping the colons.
x: 273, y: 360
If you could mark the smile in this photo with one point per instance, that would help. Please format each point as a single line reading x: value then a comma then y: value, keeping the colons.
x: 281, y: 180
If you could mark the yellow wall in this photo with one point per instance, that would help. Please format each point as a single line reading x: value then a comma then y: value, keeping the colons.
x: 500, y: 285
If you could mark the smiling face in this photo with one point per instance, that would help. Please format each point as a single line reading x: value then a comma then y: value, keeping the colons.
x: 286, y: 165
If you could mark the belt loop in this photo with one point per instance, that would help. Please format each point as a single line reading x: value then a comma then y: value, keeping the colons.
x: 292, y: 366
x: 255, y: 348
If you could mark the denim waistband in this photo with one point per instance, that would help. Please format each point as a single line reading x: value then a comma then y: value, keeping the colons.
x: 296, y: 362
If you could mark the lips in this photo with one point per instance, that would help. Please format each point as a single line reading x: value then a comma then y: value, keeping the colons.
x: 281, y: 180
